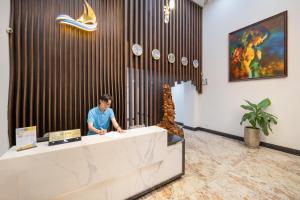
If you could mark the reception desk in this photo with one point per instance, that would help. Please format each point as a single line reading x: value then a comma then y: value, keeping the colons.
x: 112, y: 166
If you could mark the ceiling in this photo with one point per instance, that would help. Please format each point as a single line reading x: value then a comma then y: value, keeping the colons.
x: 200, y: 2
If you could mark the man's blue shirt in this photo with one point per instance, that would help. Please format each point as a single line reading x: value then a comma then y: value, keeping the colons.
x: 100, y: 119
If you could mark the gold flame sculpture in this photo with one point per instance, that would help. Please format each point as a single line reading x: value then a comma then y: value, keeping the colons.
x: 87, y: 21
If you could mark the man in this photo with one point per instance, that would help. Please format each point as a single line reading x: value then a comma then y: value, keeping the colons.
x: 100, y: 117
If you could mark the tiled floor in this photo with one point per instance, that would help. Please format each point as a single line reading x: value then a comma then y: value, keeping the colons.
x: 221, y: 168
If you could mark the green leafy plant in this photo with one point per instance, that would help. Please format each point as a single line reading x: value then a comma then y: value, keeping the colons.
x: 258, y: 117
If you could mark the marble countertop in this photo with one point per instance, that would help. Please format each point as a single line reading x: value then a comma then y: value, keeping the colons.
x: 42, y: 147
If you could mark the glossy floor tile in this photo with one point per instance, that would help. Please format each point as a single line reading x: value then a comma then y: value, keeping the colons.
x: 220, y: 168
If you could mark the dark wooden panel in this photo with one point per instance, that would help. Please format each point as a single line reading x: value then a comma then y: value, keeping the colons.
x: 181, y: 36
x: 58, y: 72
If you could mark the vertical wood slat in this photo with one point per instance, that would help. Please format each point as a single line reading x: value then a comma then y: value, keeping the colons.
x: 153, y: 63
x: 37, y: 72
x: 180, y: 39
x: 31, y: 63
x: 53, y: 83
x: 92, y: 67
x: 190, y: 20
x: 193, y: 41
x: 96, y: 64
x: 12, y: 78
x: 195, y: 35
x: 184, y: 40
x: 126, y: 59
x: 109, y: 47
x: 106, y: 52
x: 174, y: 50
x: 187, y: 41
x: 69, y: 92
x: 75, y: 107
x: 118, y: 63
x: 112, y: 44
x: 147, y: 58
x: 115, y: 65
x: 167, y: 50
x: 66, y: 84
x: 141, y: 65
x: 156, y: 81
x: 131, y: 64
x: 80, y: 72
x: 176, y: 41
x: 151, y: 113
x: 136, y: 9
x: 123, y: 67
x: 42, y: 115
x: 200, y: 56
x: 197, y: 47
x: 158, y: 75
x: 25, y: 60
x: 200, y: 51
x: 59, y: 75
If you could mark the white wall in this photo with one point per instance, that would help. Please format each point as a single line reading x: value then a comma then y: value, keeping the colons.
x: 219, y: 103
x: 4, y: 73
x: 178, y: 98
x: 186, y: 100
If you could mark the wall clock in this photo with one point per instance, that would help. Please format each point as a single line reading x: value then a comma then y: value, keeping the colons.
x: 155, y: 54
x: 195, y: 63
x: 184, y: 61
x: 171, y: 58
x: 137, y: 49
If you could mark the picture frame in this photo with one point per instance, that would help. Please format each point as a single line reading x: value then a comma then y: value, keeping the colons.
x: 259, y: 51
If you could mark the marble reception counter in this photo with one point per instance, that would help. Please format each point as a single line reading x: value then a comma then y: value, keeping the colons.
x: 113, y: 166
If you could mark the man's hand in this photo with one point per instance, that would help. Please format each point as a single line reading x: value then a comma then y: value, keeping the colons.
x: 101, y: 132
x: 116, y: 125
x: 120, y: 130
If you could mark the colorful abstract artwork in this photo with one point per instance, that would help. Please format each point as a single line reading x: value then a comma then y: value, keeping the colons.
x: 259, y: 50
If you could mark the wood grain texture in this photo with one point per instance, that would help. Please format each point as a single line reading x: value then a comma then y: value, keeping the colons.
x: 58, y: 73
x: 181, y: 36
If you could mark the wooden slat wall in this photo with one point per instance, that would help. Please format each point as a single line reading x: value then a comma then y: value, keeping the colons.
x: 58, y: 72
x: 182, y: 36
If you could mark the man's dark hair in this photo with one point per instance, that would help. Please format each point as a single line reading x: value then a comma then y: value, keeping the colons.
x: 105, y: 97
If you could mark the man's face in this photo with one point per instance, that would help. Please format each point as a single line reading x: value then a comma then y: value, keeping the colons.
x: 104, y: 105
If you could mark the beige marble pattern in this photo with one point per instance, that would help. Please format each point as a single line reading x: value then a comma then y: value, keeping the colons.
x: 223, y: 169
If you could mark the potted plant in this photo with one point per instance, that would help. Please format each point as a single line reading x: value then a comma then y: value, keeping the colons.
x: 257, y: 118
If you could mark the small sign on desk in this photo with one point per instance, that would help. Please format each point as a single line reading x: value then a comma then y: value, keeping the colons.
x: 25, y: 138
x: 61, y: 137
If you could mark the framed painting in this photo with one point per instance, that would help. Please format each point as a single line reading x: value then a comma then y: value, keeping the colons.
x: 259, y: 50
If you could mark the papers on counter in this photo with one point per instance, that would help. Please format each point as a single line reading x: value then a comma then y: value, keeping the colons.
x: 112, y: 134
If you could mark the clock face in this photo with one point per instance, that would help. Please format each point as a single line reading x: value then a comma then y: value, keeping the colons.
x: 195, y: 63
x: 171, y: 58
x: 155, y: 54
x: 184, y: 61
x: 137, y: 49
